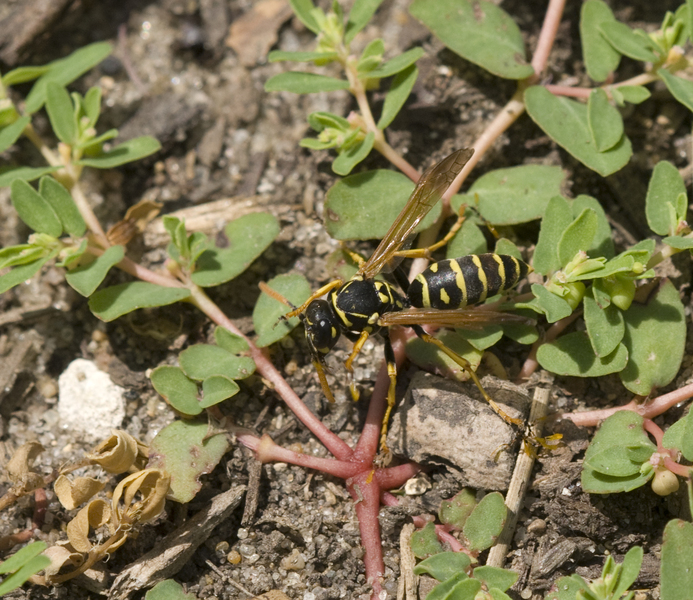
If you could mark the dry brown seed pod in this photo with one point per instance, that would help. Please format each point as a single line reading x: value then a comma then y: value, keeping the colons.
x: 116, y: 454
x: 93, y: 515
x: 61, y: 555
x: 151, y: 485
x: 73, y: 493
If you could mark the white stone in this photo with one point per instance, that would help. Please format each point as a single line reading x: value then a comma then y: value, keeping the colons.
x: 89, y: 403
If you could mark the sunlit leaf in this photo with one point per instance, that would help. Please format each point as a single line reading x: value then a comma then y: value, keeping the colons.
x: 279, y: 55
x: 397, y: 64
x: 486, y: 522
x: 303, y: 10
x: 177, y: 389
x: 115, y: 301
x: 663, y: 190
x: 61, y: 113
x: 444, y: 565
x: 626, y: 41
x: 565, y: 121
x: 361, y: 12
x: 572, y: 354
x: 10, y: 134
x: 400, y: 88
x: 605, y: 122
x: 605, y: 327
x: 23, y: 74
x: 268, y: 311
x: 21, y: 273
x: 677, y: 560
x: 201, y: 361
x: 600, y: 57
x: 34, y: 210
x: 681, y: 89
x: 348, y: 159
x: 304, y: 83
x: 129, y: 151
x: 578, y: 236
x: 86, y: 278
x: 9, y: 174
x: 479, y: 31
x: 64, y: 206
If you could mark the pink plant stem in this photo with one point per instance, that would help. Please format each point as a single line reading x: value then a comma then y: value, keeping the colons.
x: 592, y: 418
x: 365, y: 491
x: 547, y: 36
x: 334, y: 444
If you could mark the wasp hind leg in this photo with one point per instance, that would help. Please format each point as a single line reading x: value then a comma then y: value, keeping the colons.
x: 466, y: 365
x: 392, y: 374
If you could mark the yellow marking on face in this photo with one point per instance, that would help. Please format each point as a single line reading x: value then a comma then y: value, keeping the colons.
x: 444, y: 296
x: 482, y: 277
x: 425, y: 298
x: 459, y: 281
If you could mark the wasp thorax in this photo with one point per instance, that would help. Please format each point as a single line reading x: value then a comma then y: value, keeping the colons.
x: 359, y: 303
x: 322, y: 328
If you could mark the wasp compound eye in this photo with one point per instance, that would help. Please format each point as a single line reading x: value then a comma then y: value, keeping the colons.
x: 322, y: 326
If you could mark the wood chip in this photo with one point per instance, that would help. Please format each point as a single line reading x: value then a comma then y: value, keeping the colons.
x: 255, y: 32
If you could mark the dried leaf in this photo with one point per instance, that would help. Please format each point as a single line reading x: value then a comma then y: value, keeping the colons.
x: 73, y: 493
x: 61, y: 555
x: 117, y: 454
x: 152, y: 486
x: 94, y: 515
x: 18, y: 467
x: 135, y: 221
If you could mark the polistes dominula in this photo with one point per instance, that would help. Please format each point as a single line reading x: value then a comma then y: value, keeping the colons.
x: 440, y: 295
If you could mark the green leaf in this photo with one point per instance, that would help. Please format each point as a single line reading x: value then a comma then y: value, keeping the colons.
x: 177, y: 389
x: 554, y: 307
x: 129, y: 151
x: 617, y: 463
x: 268, y: 311
x: 572, y: 354
x: 371, y: 57
x: 361, y: 12
x: 168, y: 590
x: 424, y: 542
x: 23, y: 74
x: 556, y: 220
x: 680, y: 88
x: 22, y: 557
x: 605, y: 327
x: 431, y: 358
x: 665, y: 186
x: 400, y: 88
x: 673, y: 437
x: 444, y: 565
x: 603, y: 244
x: 34, y: 210
x: 248, y: 237
x: 629, y: 570
x: 459, y: 587
x: 578, y: 236
x: 64, y: 206
x: 304, y: 83
x: 635, y: 94
x: 61, y: 113
x: 397, y: 64
x: 605, y: 122
x: 478, y: 31
x: 522, y: 333
x: 21, y: 273
x: 217, y: 388
x: 230, y: 341
x: 486, y: 522
x: 66, y: 70
x: 279, y: 55
x: 621, y: 430
x: 626, y: 41
x: 10, y: 174
x: 677, y: 561
x: 186, y: 451
x: 92, y: 105
x: 455, y: 511
x: 201, y: 361
x: 349, y: 158
x: 495, y: 577
x: 568, y: 587
x: 468, y: 240
x: 33, y: 566
x: 10, y: 134
x: 686, y: 446
x: 94, y: 143
x: 115, y: 301
x: 565, y: 121
x: 482, y: 338
x: 600, y: 57
x: 516, y: 194
x: 363, y: 206
x: 320, y: 121
x: 86, y: 278
x: 655, y: 338
x: 20, y: 255
x: 304, y: 11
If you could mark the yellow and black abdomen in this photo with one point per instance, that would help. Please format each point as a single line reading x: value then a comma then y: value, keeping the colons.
x: 458, y: 282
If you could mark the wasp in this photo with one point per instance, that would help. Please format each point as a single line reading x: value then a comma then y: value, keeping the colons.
x: 439, y: 296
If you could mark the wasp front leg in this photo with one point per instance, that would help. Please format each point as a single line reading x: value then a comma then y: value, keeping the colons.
x: 428, y: 251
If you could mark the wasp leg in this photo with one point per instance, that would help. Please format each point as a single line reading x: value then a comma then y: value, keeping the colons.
x: 323, y: 380
x: 321, y: 292
x: 392, y: 374
x: 427, y: 252
x: 348, y: 364
x: 357, y: 258
x: 464, y: 363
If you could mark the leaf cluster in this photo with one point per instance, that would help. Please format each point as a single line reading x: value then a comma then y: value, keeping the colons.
x: 480, y: 523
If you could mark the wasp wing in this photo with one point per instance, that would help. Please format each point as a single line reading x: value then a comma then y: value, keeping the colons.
x: 466, y: 318
x: 430, y: 188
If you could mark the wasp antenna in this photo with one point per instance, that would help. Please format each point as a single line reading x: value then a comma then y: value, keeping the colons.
x: 276, y: 295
